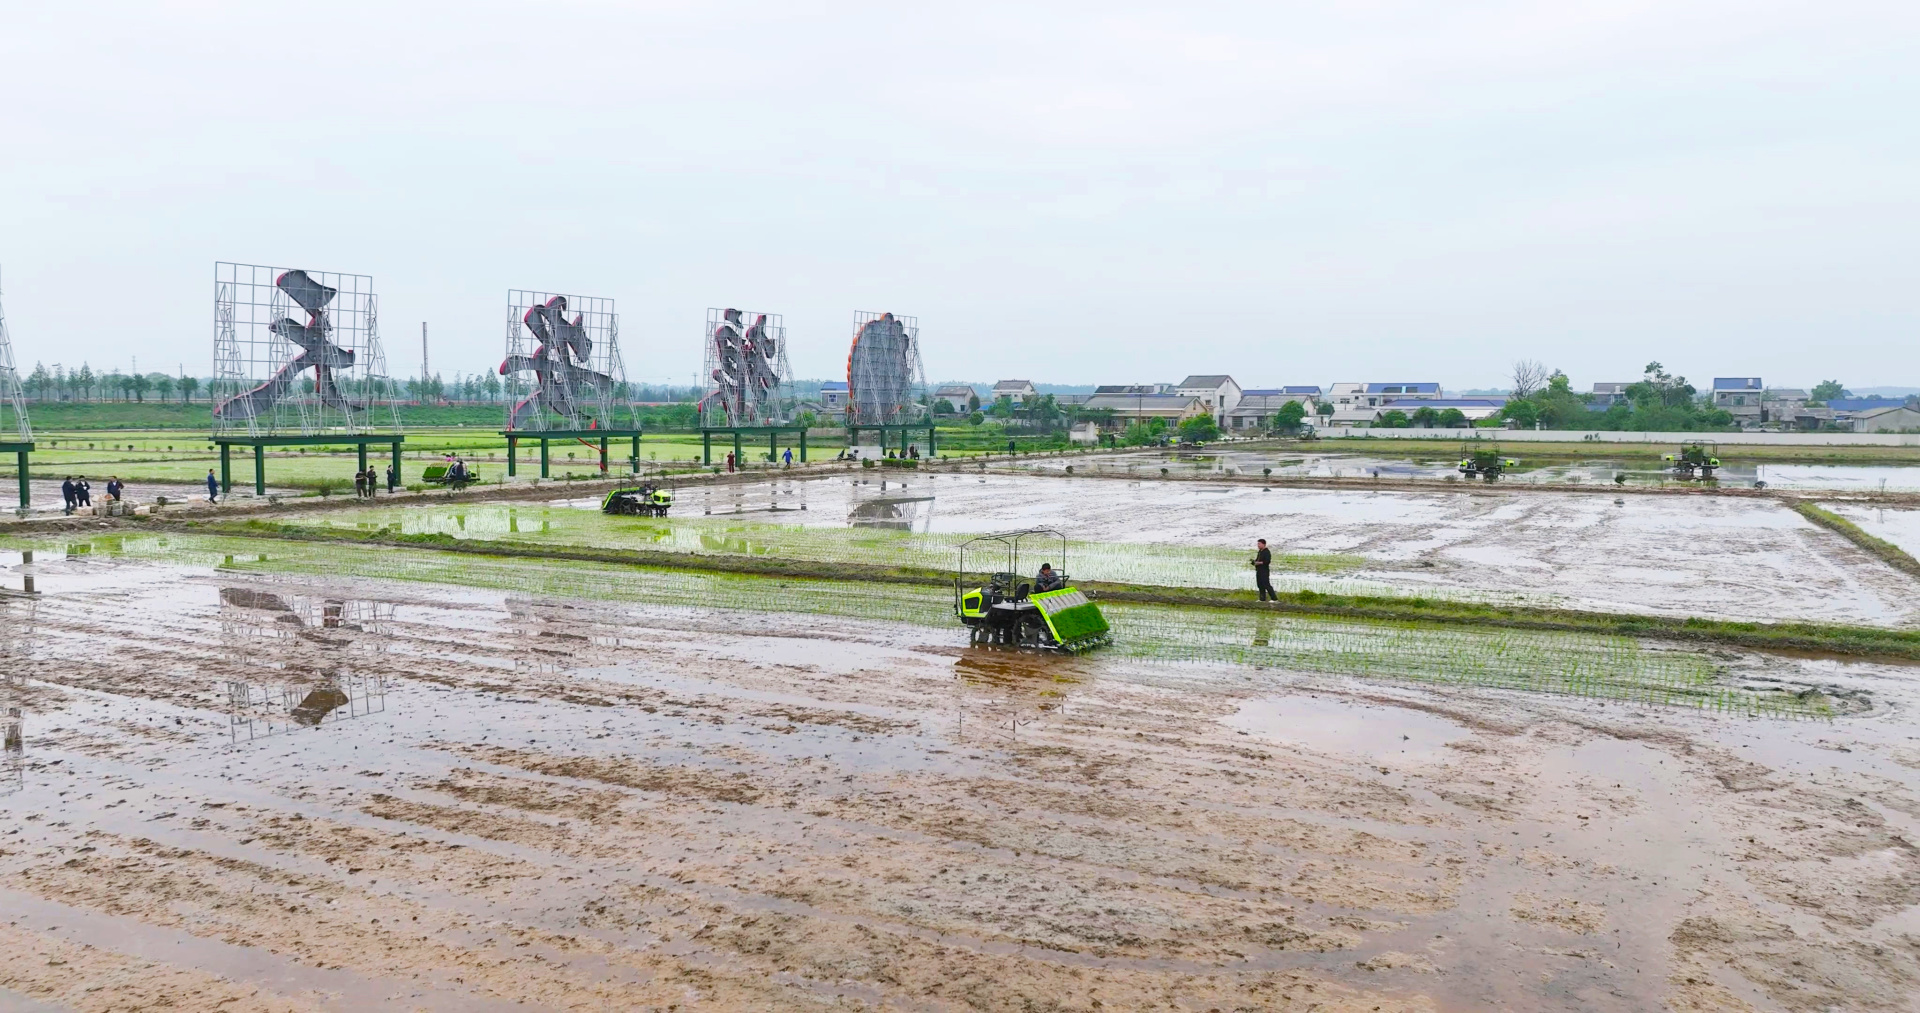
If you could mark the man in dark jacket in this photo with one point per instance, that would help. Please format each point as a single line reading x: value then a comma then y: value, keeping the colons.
x: 1262, y: 560
x: 70, y: 494
x: 213, y: 487
x: 1048, y: 579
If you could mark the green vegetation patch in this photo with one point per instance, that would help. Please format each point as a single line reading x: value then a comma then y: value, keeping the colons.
x: 1597, y: 665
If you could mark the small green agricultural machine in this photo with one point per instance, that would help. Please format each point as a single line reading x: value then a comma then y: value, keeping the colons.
x: 1698, y: 459
x: 1008, y: 610
x: 1484, y: 461
x: 457, y: 474
x: 643, y: 500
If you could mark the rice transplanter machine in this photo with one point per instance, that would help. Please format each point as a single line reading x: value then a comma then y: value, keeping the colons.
x: 1009, y: 609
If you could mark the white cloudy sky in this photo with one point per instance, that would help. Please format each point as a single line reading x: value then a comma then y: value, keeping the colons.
x: 1099, y: 192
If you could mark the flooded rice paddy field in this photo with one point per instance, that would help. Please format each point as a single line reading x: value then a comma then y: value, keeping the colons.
x: 245, y: 776
x: 1443, y: 464
x: 1721, y: 557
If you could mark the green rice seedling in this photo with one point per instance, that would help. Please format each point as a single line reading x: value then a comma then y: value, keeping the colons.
x: 1591, y: 665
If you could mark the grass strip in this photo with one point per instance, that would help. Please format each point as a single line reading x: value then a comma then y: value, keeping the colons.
x: 1834, y: 638
x: 1892, y: 554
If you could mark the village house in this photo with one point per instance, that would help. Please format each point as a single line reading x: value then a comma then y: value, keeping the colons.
x: 1219, y: 394
x: 1019, y: 390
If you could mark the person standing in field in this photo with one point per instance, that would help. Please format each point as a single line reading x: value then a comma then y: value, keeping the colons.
x: 1262, y: 561
x: 84, y: 491
x: 70, y: 494
x: 213, y: 487
x: 360, y: 485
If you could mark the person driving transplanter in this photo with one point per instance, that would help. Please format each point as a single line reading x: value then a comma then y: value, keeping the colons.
x: 1047, y: 579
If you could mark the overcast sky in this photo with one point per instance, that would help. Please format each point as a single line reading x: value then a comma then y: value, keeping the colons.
x: 1107, y: 192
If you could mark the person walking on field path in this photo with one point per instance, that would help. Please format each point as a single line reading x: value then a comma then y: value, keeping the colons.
x: 1262, y: 560
x: 213, y: 487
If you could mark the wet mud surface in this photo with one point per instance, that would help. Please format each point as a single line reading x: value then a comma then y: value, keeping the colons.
x: 246, y: 791
x: 1718, y: 557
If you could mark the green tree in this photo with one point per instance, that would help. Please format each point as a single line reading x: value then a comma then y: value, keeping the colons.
x: 1289, y: 417
x: 943, y: 407
x: 1199, y: 429
x: 973, y: 402
x: 1452, y: 418
x: 1523, y: 412
x: 976, y: 416
x: 1393, y: 418
x: 1827, y: 390
x: 1425, y: 416
x: 1151, y: 432
x: 188, y: 384
x: 163, y: 386
x: 1002, y: 407
x: 139, y: 383
x: 38, y: 381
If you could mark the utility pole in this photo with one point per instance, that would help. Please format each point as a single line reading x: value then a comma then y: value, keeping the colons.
x: 423, y: 352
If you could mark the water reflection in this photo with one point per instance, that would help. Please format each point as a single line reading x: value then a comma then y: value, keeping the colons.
x: 309, y: 657
x: 1000, y: 691
x: 17, y: 617
x: 778, y: 496
x: 552, y: 636
x: 897, y: 506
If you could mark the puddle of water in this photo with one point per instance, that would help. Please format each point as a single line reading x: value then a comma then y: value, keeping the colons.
x: 1347, y: 727
x: 1901, y: 527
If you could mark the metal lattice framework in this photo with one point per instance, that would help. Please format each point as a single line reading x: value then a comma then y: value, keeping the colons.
x: 886, y: 381
x: 298, y: 352
x: 563, y: 369
x: 11, y: 397
x: 748, y: 380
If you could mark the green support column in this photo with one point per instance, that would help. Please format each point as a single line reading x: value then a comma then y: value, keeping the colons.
x: 363, y: 457
x: 773, y: 445
x: 259, y: 470
x: 634, y: 461
x: 739, y: 456
x: 603, y: 457
x: 803, y: 446
x: 513, y: 456
x: 932, y: 449
x: 398, y: 479
x: 26, y: 493
x: 706, y: 447
x: 543, y: 457
x: 226, y: 468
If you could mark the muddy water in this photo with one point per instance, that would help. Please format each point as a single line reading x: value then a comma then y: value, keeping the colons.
x: 249, y: 791
x: 1901, y: 527
x: 1708, y: 556
x: 1444, y: 464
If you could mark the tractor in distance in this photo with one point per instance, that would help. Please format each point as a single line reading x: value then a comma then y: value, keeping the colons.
x: 1698, y: 459
x: 643, y: 500
x: 1484, y: 461
x: 1014, y: 610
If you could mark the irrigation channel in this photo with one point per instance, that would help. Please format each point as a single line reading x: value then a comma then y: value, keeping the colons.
x: 314, y: 765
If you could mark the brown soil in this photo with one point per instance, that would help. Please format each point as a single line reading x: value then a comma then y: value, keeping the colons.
x: 578, y: 806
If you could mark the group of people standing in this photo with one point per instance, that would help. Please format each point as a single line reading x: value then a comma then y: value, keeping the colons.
x: 78, y: 492
x: 366, y: 483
